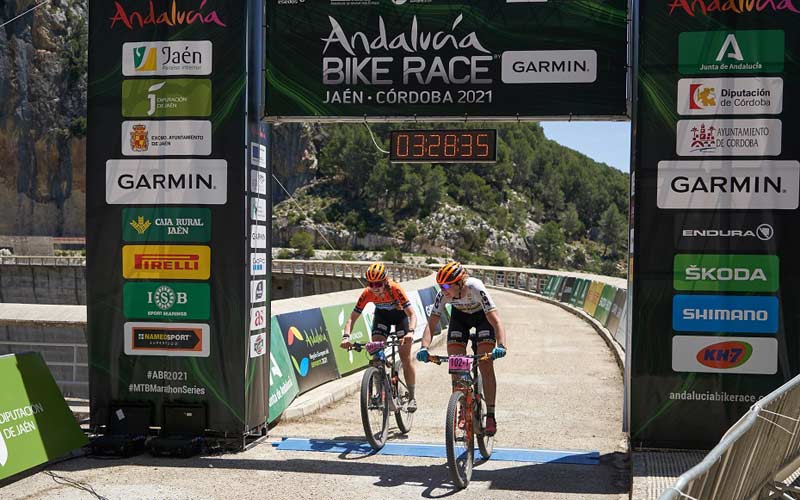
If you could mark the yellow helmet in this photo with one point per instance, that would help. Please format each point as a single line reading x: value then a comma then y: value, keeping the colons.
x: 376, y: 272
x: 450, y: 273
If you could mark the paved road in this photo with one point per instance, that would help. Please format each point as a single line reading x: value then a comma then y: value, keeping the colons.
x: 560, y: 389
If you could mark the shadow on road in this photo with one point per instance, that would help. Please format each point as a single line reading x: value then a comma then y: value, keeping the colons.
x: 610, y: 476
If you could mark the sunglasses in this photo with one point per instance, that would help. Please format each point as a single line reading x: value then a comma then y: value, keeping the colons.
x: 375, y: 284
x: 445, y: 286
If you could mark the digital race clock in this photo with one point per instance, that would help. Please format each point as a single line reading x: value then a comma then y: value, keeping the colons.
x: 443, y: 146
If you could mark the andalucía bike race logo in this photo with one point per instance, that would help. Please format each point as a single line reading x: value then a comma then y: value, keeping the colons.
x: 704, y: 7
x: 303, y: 366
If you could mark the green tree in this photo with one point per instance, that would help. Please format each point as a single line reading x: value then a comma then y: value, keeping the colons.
x: 613, y: 230
x: 303, y: 243
x: 549, y: 243
x: 571, y: 222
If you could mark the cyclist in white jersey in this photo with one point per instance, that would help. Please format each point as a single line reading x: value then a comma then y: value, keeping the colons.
x: 472, y: 307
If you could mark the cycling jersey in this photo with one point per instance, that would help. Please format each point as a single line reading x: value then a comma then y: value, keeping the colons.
x: 391, y: 296
x: 474, y: 298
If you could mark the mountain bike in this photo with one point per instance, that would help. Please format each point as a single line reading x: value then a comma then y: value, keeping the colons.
x: 382, y: 392
x: 466, y: 416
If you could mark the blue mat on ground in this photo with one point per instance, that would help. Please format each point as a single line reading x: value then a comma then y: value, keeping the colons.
x: 438, y: 451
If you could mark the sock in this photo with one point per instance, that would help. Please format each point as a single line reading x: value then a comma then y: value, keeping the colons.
x: 490, y: 411
x: 411, y: 391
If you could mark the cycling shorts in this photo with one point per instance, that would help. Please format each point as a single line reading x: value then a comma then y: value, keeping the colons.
x: 384, y: 319
x: 460, y: 324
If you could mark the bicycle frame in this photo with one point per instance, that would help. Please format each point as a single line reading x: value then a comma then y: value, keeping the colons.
x: 380, y: 361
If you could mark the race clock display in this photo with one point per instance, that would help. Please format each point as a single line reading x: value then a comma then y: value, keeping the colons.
x: 443, y: 146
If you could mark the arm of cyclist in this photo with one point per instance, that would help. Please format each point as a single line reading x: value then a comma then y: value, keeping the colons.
x: 427, y: 338
x: 408, y: 338
x: 500, y: 332
x: 345, y: 343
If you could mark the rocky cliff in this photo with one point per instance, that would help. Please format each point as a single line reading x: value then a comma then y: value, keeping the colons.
x: 43, y: 118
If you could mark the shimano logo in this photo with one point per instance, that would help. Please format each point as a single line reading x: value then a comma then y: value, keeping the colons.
x: 726, y: 314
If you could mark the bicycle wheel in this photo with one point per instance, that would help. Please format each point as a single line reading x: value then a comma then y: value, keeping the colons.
x: 458, y: 442
x: 374, y: 407
x: 404, y: 418
x: 485, y: 442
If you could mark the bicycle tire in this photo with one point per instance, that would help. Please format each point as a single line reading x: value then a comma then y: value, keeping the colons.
x: 404, y: 418
x: 459, y: 463
x: 376, y: 431
x: 485, y: 442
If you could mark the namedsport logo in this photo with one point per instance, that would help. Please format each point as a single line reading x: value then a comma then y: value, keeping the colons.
x: 302, y: 367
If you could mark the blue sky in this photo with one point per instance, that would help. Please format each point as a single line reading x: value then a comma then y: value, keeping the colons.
x: 606, y: 142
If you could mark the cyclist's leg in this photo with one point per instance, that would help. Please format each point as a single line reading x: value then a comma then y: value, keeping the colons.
x: 380, y: 326
x: 457, y: 336
x: 486, y: 341
x: 409, y: 372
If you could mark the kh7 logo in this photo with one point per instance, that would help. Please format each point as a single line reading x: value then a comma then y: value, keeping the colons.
x: 725, y: 354
x: 302, y: 367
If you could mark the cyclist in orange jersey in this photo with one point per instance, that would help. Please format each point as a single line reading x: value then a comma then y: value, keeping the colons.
x: 472, y: 307
x: 392, y: 307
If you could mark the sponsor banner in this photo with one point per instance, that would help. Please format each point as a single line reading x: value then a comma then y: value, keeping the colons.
x: 258, y: 236
x: 283, y: 385
x: 729, y: 185
x: 730, y: 96
x: 566, y: 291
x: 347, y: 361
x: 258, y: 182
x: 621, y: 334
x: 428, y: 297
x: 725, y: 313
x: 729, y: 137
x: 734, y: 51
x: 164, y: 98
x: 258, y: 318
x: 579, y: 294
x: 258, y: 291
x: 166, y: 182
x: 167, y: 339
x: 604, y: 304
x: 725, y: 355
x: 36, y: 425
x: 549, y: 66
x: 726, y: 273
x: 258, y: 345
x: 166, y: 224
x: 309, y: 348
x: 595, y: 290
x: 719, y: 232
x: 154, y: 262
x: 258, y: 156
x: 258, y: 264
x: 173, y: 301
x: 445, y: 59
x: 615, y: 314
x: 166, y: 138
x: 191, y: 58
x: 258, y: 209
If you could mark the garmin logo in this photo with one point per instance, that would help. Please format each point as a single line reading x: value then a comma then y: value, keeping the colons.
x: 549, y: 66
x: 720, y: 184
x: 729, y: 185
x: 177, y: 182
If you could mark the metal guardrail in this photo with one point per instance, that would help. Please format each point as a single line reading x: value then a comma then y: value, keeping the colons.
x: 42, y: 260
x: 345, y: 269
x: 754, y: 457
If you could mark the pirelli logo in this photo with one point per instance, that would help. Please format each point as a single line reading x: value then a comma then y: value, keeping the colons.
x: 179, y: 262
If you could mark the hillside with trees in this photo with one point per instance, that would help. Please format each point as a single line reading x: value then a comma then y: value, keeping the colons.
x: 541, y: 204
